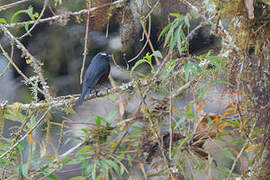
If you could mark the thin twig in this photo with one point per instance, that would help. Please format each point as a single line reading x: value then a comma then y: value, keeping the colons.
x: 145, y: 44
x: 36, y: 22
x: 66, y: 15
x: 148, y: 39
x: 171, y: 128
x: 12, y: 4
x: 29, y: 132
x: 85, y: 52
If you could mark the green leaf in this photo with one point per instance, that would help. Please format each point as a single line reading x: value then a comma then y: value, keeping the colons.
x: 77, y: 178
x: 136, y: 65
x: 169, y: 67
x: 2, y: 20
x: 186, y: 69
x: 51, y: 176
x: 99, y: 120
x: 94, y: 171
x: 222, y: 82
x: 237, y: 124
x: 164, y: 30
x: 26, y: 27
x: 173, y: 42
x: 85, y: 164
x: 157, y: 54
x: 184, y: 140
x: 86, y: 148
x: 175, y: 15
x: 113, y: 164
x: 186, y: 19
x: 170, y: 33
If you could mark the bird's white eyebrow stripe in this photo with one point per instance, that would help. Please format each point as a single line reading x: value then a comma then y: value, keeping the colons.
x: 103, y: 54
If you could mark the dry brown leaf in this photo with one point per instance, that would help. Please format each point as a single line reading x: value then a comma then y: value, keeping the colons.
x: 206, y: 128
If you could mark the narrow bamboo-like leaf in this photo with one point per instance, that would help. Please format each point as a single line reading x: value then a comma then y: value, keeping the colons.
x: 113, y: 164
x: 184, y: 140
x: 173, y: 42
x: 170, y: 33
x: 186, y: 19
x: 94, y: 171
x: 222, y: 82
x: 86, y: 148
x: 164, y: 30
x: 186, y: 69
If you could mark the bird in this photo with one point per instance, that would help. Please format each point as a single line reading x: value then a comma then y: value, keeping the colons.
x: 96, y: 74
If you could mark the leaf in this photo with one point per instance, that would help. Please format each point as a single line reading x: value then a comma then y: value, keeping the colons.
x: 113, y: 164
x: 77, y: 178
x: 99, y: 120
x: 51, y: 176
x: 164, y: 30
x: 186, y: 69
x: 184, y: 140
x: 177, y: 15
x: 136, y: 65
x: 86, y: 148
x: 173, y: 42
x: 157, y: 54
x: 2, y: 20
x: 170, y: 33
x: 94, y: 171
x: 222, y: 82
x: 85, y: 164
x: 186, y: 19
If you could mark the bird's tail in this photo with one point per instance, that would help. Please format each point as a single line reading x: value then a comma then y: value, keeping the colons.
x: 80, y: 100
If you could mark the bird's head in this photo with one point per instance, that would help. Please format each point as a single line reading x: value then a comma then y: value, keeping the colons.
x: 104, y: 55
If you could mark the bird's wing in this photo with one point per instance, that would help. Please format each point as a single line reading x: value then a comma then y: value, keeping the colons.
x: 93, y: 75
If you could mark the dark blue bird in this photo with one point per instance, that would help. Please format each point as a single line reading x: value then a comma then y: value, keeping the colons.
x: 96, y: 74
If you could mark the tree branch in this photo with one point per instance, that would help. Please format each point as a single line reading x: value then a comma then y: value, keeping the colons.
x: 61, y: 16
